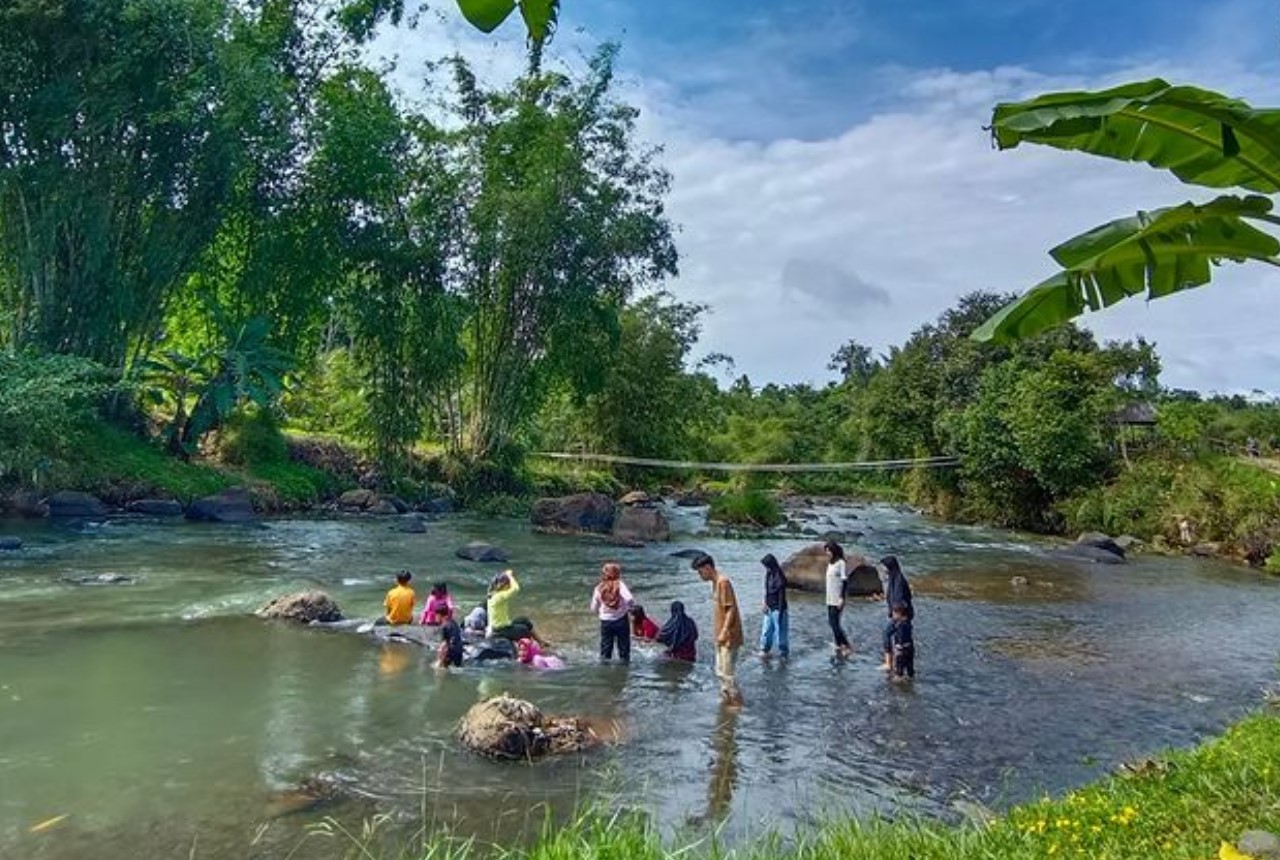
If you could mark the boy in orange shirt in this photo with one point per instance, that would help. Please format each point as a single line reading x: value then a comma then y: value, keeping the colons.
x: 399, y: 601
x: 727, y: 621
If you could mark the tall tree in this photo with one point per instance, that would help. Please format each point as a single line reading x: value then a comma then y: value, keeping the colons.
x: 563, y: 219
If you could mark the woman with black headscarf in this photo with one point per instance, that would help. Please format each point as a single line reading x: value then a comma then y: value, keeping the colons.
x: 897, y: 592
x: 680, y: 635
x: 775, y: 609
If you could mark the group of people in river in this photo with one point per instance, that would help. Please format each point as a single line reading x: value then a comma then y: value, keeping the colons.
x: 623, y: 619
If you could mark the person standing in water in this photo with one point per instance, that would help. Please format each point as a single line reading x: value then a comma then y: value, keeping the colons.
x: 727, y: 621
x: 775, y: 609
x: 611, y: 601
x: 897, y: 593
x: 836, y: 576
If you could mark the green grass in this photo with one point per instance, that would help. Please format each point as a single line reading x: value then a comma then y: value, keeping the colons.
x: 1182, y: 806
x: 114, y: 463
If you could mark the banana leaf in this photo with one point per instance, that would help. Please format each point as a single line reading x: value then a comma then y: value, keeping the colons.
x: 1157, y: 253
x: 486, y: 15
x: 1202, y: 137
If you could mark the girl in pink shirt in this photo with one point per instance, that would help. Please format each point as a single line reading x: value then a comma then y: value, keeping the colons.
x: 439, y: 607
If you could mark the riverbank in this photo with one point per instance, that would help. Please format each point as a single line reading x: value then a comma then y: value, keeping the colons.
x: 1189, y: 804
x: 1210, y: 504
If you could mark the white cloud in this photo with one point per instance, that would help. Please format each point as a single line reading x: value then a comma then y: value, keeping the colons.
x: 911, y: 201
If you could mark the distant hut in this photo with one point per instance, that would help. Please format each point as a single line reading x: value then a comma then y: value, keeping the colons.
x: 1138, y: 418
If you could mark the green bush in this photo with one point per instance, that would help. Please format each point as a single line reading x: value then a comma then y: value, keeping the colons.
x: 252, y: 437
x: 749, y: 508
x: 46, y: 404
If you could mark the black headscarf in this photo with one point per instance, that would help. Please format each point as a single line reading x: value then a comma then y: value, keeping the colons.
x: 679, y: 631
x: 775, y: 584
x: 896, y: 588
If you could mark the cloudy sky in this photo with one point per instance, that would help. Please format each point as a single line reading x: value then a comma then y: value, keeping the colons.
x: 833, y: 180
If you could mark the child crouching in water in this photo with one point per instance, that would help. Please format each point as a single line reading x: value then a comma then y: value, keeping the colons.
x: 530, y: 654
x: 900, y: 644
x: 450, y: 651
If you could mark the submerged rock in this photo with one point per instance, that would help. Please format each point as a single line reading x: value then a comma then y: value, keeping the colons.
x: 584, y: 512
x: 687, y: 553
x: 70, y: 504
x: 229, y: 506
x: 9, y: 544
x: 155, y: 507
x: 100, y: 579
x: 304, y: 606
x: 1087, y: 552
x: 641, y: 524
x: 482, y: 552
x: 412, y: 523
x: 513, y: 729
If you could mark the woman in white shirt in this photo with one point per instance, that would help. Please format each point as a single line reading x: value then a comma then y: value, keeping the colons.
x: 836, y: 576
x: 611, y: 601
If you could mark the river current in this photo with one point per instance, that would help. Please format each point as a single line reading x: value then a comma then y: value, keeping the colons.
x: 157, y: 719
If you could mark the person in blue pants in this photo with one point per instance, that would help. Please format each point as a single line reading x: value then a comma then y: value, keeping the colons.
x: 775, y: 609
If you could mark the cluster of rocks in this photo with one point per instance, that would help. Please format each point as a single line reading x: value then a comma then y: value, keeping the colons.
x: 516, y: 730
x: 634, y: 520
x: 234, y: 505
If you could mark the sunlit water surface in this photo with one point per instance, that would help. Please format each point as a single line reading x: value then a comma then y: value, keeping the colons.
x: 163, y: 722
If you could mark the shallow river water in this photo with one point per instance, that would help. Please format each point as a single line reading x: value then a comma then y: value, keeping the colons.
x: 161, y: 721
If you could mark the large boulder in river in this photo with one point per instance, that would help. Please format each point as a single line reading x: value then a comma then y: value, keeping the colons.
x: 646, y: 525
x: 155, y: 507
x: 24, y: 503
x: 1101, y: 541
x: 583, y: 512
x: 516, y: 730
x: 806, y: 570
x: 229, y: 506
x: 70, y: 504
x: 482, y: 552
x: 305, y: 606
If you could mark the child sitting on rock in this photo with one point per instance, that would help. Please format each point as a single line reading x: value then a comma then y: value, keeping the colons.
x: 439, y: 605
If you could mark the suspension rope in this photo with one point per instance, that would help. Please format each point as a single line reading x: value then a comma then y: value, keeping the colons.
x: 864, y: 466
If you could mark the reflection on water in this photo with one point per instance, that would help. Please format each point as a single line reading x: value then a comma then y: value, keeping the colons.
x: 157, y: 717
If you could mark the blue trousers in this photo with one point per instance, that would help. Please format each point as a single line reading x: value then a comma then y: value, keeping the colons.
x: 775, y: 624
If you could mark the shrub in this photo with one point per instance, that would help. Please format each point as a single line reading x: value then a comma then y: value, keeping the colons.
x: 752, y: 508
x: 252, y: 437
x: 46, y: 402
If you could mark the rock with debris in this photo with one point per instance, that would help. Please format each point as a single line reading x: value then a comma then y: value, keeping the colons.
x: 304, y: 607
x: 636, y: 497
x: 512, y: 729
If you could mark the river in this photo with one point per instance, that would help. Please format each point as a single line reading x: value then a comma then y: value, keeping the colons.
x: 162, y: 721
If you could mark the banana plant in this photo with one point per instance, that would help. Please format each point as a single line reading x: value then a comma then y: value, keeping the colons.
x: 1203, y: 138
x: 540, y: 16
x: 245, y: 369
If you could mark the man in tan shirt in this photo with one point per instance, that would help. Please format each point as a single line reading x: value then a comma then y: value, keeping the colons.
x: 727, y: 621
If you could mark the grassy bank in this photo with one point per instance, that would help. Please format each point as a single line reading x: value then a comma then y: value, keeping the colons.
x: 1225, y: 500
x: 1183, y: 805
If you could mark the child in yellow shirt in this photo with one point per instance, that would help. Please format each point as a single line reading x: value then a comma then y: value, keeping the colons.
x: 399, y: 602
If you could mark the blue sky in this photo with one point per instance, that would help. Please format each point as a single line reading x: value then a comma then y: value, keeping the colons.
x: 832, y: 179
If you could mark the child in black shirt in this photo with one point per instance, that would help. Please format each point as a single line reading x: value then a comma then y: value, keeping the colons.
x: 900, y: 643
